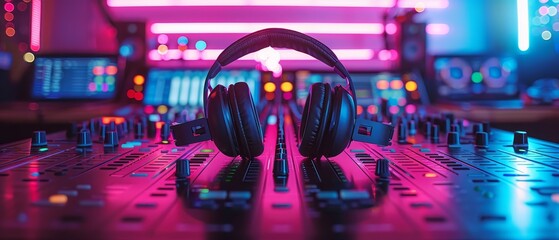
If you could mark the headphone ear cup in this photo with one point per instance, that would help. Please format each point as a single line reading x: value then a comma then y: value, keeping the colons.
x: 246, y: 121
x: 315, y: 119
x: 341, y: 123
x: 220, y: 122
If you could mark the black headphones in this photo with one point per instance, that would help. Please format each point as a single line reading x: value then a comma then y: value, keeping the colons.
x: 329, y: 114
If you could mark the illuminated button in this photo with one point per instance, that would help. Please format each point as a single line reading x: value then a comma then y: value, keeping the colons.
x: 411, y: 86
x: 286, y: 87
x: 60, y: 199
x: 327, y: 195
x: 239, y: 195
x: 139, y: 175
x: 207, y: 150
x: 213, y: 195
x: 353, y: 194
x: 269, y: 87
x: 430, y: 175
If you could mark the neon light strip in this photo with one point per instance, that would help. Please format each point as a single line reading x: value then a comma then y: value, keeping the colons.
x: 286, y: 3
x: 318, y: 28
x: 523, y: 25
x: 35, y: 42
x: 212, y: 54
x: 437, y: 29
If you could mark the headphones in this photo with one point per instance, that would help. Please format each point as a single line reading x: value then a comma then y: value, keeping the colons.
x: 329, y: 117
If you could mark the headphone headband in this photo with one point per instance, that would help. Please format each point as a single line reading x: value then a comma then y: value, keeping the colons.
x: 281, y: 38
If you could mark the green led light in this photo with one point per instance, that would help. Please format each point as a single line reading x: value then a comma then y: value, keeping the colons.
x: 477, y: 77
x: 204, y: 190
x: 43, y: 149
x: 207, y: 150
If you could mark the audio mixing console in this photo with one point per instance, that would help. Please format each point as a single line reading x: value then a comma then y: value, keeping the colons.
x: 123, y: 178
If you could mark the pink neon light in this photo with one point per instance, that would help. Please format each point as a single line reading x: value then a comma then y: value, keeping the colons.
x: 318, y: 28
x: 294, y: 3
x: 423, y: 3
x: 285, y: 54
x: 437, y: 29
x: 35, y: 25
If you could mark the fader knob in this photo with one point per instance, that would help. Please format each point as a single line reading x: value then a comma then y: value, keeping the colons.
x: 84, y: 139
x: 138, y: 130
x: 520, y: 139
x: 478, y: 127
x: 412, y: 128
x: 482, y: 139
x: 382, y: 169
x: 402, y: 133
x: 111, y: 139
x: 280, y: 167
x: 428, y: 128
x: 165, y: 131
x: 453, y: 139
x: 39, y: 139
x: 435, y: 133
x: 151, y: 129
x: 182, y: 168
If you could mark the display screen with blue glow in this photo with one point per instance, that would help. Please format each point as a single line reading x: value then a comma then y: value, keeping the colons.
x: 75, y: 78
x: 371, y: 89
x: 476, y: 78
x: 185, y: 87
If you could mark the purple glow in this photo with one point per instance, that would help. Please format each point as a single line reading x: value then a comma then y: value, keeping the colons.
x: 92, y: 87
x: 105, y: 87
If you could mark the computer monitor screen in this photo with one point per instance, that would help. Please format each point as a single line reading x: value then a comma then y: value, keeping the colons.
x: 88, y: 78
x: 174, y: 87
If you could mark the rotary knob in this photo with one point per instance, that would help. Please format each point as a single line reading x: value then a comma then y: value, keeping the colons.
x: 453, y: 139
x: 482, y: 139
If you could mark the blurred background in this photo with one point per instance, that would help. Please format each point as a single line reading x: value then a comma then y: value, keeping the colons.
x: 63, y: 61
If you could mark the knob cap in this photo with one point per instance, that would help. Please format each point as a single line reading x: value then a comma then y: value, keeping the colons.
x: 39, y: 139
x: 382, y: 169
x: 454, y: 128
x: 453, y: 139
x: 412, y: 128
x: 486, y: 127
x: 111, y: 139
x: 84, y: 139
x: 182, y: 168
x: 520, y: 139
x: 482, y: 139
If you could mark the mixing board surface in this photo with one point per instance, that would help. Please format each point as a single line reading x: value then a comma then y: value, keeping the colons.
x: 126, y: 179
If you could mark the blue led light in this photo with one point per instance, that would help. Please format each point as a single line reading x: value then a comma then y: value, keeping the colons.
x: 201, y: 45
x: 182, y: 40
x: 126, y: 50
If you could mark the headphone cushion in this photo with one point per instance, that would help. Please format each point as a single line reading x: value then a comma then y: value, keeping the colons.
x: 342, y: 121
x: 220, y: 122
x: 314, y: 121
x: 246, y: 121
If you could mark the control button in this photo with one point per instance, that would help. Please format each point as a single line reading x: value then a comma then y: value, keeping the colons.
x: 453, y: 139
x: 354, y: 194
x: 327, y: 195
x: 84, y: 139
x: 382, y: 169
x: 216, y: 194
x: 242, y: 195
x: 111, y: 139
x: 39, y: 139
x: 520, y: 139
x: 59, y: 199
x: 182, y: 168
x: 482, y: 139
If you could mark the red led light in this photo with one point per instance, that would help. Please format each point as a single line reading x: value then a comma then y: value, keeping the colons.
x: 33, y: 106
x: 130, y: 93
x: 111, y: 70
x: 9, y: 7
x: 117, y: 120
x: 98, y: 70
x: 148, y: 109
x: 138, y: 96
x: 359, y: 109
